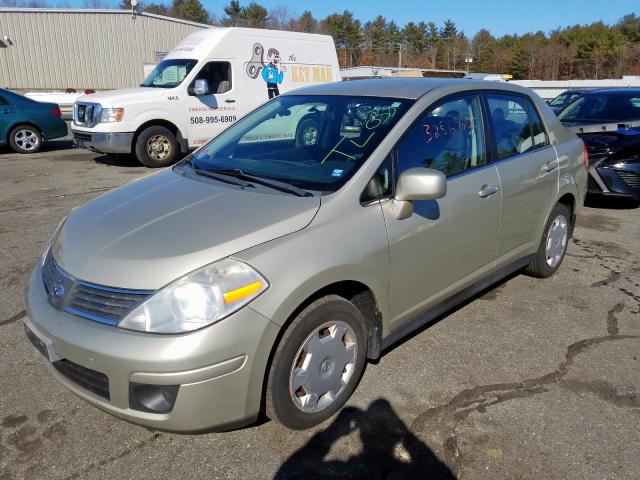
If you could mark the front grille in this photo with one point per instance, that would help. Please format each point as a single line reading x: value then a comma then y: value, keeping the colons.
x: 82, y: 136
x: 630, y: 178
x: 86, y: 114
x: 91, y: 301
x: 94, y: 302
x: 88, y: 379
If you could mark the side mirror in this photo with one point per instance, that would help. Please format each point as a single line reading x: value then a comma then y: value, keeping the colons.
x: 417, y: 184
x: 201, y: 87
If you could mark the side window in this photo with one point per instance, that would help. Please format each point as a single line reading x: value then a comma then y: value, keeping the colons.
x: 380, y: 185
x: 540, y: 138
x: 3, y: 101
x: 448, y: 137
x: 514, y: 129
x: 217, y: 75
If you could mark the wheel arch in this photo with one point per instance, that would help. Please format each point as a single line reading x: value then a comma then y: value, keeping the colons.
x: 26, y: 123
x: 362, y: 297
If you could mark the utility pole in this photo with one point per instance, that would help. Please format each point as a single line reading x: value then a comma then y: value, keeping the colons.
x: 468, y: 60
x: 400, y: 55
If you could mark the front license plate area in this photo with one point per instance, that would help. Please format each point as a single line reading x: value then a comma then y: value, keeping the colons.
x: 44, y: 346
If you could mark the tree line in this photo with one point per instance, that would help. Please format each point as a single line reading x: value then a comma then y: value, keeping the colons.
x: 596, y: 50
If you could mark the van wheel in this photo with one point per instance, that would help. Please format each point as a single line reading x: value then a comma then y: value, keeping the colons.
x: 317, y: 364
x: 25, y: 139
x: 553, y: 245
x: 156, y: 147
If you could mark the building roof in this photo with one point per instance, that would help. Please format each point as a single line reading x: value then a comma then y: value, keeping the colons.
x: 101, y: 11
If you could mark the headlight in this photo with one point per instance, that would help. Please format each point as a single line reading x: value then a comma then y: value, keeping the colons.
x: 111, y: 115
x: 198, y: 299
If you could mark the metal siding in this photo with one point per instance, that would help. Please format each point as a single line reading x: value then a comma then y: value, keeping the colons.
x: 76, y: 49
x: 548, y: 89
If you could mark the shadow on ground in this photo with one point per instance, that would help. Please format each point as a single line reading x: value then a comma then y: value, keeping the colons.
x: 389, y: 450
x: 614, y: 203
x: 118, y: 161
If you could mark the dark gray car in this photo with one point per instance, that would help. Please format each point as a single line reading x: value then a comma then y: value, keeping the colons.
x: 269, y: 265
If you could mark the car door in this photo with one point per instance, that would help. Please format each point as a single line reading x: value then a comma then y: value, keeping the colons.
x: 7, y: 115
x: 446, y: 243
x: 214, y: 111
x: 529, y: 173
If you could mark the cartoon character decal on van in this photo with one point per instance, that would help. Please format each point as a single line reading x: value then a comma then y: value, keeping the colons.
x: 271, y: 74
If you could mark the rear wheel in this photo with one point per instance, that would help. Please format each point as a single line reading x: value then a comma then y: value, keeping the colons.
x: 156, y: 147
x: 553, y: 245
x: 25, y: 139
x: 317, y: 364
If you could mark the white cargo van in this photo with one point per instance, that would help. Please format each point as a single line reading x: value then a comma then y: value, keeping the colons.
x: 207, y: 82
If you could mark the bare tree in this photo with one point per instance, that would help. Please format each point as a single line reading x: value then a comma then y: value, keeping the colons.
x: 281, y: 18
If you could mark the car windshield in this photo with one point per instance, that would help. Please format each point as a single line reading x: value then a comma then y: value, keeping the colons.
x: 603, y: 108
x: 563, y: 99
x: 313, y: 143
x: 169, y: 73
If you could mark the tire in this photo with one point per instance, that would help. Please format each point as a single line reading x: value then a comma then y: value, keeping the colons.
x: 25, y: 139
x: 308, y: 133
x: 556, y: 233
x: 156, y: 147
x: 330, y: 317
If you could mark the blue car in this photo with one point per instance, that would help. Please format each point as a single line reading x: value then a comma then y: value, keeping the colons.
x: 608, y: 121
x: 25, y: 123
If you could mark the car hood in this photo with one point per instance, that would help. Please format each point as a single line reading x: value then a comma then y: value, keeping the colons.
x: 116, y: 98
x: 150, y: 232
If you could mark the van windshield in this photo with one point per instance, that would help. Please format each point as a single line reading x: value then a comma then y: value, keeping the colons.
x: 169, y: 73
x: 313, y: 143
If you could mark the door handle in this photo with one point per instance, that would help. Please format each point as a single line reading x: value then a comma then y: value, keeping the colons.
x: 551, y: 166
x: 6, y: 111
x: 487, y: 191
x: 230, y: 100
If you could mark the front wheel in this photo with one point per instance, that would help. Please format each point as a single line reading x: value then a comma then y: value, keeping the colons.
x: 25, y: 139
x: 156, y: 147
x: 553, y: 245
x: 317, y: 364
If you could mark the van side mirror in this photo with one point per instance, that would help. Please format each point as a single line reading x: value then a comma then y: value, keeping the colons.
x: 201, y: 87
x: 417, y: 183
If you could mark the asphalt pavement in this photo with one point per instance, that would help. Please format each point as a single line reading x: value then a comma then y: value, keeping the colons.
x: 531, y: 379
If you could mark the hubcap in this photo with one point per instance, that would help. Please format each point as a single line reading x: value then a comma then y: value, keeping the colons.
x: 556, y: 241
x: 26, y: 139
x: 323, y: 366
x: 310, y: 136
x: 159, y: 147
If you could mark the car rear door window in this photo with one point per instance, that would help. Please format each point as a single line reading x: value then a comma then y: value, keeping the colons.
x: 448, y: 137
x: 517, y: 127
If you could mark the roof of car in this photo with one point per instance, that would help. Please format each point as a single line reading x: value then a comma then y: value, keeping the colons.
x: 614, y: 91
x: 409, y: 88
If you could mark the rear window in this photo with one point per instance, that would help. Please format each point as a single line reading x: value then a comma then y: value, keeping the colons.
x: 603, y: 108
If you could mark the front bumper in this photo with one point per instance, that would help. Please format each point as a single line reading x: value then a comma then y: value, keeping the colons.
x: 220, y: 369
x: 103, y: 142
x: 615, y: 182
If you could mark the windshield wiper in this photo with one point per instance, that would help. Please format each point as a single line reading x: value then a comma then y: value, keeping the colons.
x: 219, y: 176
x: 267, y: 182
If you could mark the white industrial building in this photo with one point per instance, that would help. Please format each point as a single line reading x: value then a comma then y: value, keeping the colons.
x: 548, y: 89
x: 57, y: 49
